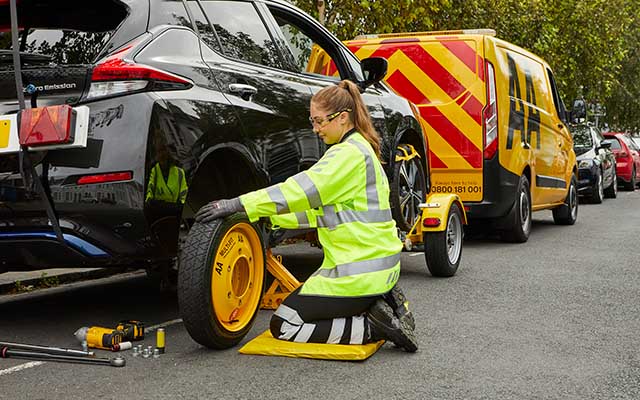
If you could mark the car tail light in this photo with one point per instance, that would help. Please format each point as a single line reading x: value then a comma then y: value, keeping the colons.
x: 117, y: 75
x: 104, y: 178
x: 490, y: 115
x: 46, y: 125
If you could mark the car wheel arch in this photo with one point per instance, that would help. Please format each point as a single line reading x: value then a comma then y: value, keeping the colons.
x: 212, y: 179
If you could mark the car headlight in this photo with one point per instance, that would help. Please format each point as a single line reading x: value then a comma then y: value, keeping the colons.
x: 585, y: 164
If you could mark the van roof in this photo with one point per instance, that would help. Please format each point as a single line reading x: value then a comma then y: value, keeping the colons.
x: 400, y: 35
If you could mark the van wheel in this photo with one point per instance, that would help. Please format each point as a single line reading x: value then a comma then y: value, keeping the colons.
x: 221, y: 281
x: 567, y: 214
x: 612, y: 191
x: 518, y: 221
x: 597, y: 191
x: 408, y: 190
x: 443, y: 250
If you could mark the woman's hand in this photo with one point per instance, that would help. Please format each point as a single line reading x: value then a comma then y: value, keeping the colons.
x: 218, y: 209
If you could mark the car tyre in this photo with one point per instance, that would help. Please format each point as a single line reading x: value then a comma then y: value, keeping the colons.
x: 597, y: 191
x: 221, y: 281
x: 631, y: 185
x: 443, y: 250
x: 408, y: 190
x: 567, y: 214
x: 612, y: 191
x: 518, y: 221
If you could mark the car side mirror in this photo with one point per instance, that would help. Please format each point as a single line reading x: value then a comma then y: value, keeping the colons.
x: 373, y: 69
x: 605, y: 145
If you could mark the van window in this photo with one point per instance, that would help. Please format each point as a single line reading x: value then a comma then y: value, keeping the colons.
x: 557, y: 101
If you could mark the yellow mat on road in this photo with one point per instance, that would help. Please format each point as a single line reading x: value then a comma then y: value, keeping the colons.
x: 266, y: 345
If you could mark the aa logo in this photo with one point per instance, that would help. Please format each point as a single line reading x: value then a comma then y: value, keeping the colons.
x: 523, y: 119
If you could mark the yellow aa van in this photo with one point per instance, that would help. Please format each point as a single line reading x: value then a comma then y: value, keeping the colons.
x: 494, y: 120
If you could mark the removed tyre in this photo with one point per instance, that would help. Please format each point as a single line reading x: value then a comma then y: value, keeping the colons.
x: 612, y: 191
x: 443, y: 250
x: 597, y: 191
x: 221, y: 281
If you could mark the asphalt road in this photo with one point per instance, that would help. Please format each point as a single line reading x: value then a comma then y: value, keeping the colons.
x: 554, y: 318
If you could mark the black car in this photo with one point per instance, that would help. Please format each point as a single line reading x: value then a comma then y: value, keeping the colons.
x: 215, y: 91
x: 596, y: 164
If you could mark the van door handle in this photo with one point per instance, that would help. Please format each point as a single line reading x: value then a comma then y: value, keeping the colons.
x: 245, y: 91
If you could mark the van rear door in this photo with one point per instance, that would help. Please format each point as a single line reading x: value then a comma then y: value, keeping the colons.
x: 444, y: 77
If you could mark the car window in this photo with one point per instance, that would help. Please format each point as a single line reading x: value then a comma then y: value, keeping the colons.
x: 306, y: 55
x: 582, y: 137
x: 242, y: 32
x: 615, y: 144
x: 171, y: 12
x: 632, y: 144
x: 207, y: 33
x: 78, y: 38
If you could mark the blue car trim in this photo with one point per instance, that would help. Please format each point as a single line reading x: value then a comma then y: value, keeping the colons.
x: 73, y: 241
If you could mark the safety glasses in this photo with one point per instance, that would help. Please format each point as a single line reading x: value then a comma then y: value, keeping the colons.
x: 319, y: 121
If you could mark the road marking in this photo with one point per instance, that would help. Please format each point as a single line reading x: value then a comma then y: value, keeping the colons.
x: 20, y: 367
x: 163, y: 324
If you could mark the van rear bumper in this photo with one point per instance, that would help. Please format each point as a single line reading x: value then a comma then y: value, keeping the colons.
x: 499, y: 192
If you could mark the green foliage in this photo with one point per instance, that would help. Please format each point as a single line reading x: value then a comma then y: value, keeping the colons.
x: 590, y: 44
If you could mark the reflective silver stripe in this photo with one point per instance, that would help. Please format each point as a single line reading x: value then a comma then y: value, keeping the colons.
x: 305, y: 333
x: 337, y: 329
x: 359, y: 267
x: 276, y: 195
x: 289, y: 314
x: 288, y: 330
x: 303, y: 221
x: 309, y: 188
x: 333, y: 219
x: 372, y: 190
x: 357, y: 330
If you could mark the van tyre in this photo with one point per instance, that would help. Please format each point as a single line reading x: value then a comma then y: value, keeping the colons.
x: 517, y: 224
x: 612, y: 191
x: 408, y: 190
x: 597, y: 192
x: 443, y: 250
x: 567, y: 214
x: 221, y: 281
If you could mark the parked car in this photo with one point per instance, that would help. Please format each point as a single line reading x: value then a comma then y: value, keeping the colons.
x: 627, y: 159
x: 215, y: 93
x: 596, y: 163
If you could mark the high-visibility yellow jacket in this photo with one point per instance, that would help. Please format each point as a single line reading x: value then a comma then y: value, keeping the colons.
x: 170, y: 190
x: 345, y: 195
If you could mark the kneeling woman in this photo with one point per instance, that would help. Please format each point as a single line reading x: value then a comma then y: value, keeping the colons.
x: 352, y: 298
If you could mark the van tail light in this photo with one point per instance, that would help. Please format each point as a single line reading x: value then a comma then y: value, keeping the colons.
x: 117, y: 75
x: 47, y: 125
x: 490, y: 115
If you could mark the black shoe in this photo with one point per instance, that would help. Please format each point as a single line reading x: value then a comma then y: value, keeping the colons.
x: 383, y: 324
x: 398, y: 302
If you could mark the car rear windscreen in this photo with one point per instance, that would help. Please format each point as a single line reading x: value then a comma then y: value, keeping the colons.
x: 60, y: 32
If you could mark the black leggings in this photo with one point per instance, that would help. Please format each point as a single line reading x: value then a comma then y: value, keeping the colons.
x: 316, y: 319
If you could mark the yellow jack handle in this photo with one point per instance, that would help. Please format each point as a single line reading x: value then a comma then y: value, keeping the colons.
x: 283, y: 284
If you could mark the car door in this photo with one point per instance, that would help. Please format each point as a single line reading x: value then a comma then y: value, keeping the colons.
x: 319, y: 59
x: 272, y: 104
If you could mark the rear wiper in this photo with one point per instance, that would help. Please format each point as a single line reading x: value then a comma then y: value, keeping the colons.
x: 6, y: 56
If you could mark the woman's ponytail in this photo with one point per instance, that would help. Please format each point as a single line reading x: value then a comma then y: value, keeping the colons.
x: 346, y: 95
